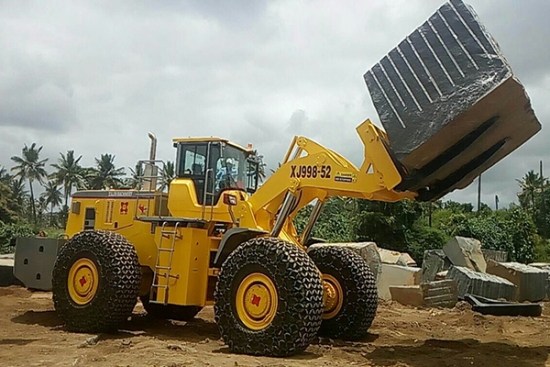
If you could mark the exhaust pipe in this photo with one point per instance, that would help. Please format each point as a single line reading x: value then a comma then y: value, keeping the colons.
x: 151, y: 170
x: 153, y: 151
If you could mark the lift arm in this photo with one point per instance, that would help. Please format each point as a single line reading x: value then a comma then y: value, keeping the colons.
x: 311, y: 171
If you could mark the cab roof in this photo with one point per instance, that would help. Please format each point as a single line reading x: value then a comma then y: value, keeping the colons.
x: 212, y: 139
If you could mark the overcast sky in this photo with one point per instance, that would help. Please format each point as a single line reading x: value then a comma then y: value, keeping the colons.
x: 96, y: 76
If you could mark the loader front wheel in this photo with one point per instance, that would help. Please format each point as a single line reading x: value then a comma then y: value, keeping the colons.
x: 351, y: 297
x: 95, y: 281
x: 268, y: 299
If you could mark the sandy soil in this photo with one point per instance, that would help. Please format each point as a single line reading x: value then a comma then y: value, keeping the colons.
x: 32, y: 335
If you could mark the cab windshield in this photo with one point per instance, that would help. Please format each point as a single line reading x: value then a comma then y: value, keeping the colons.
x: 231, y: 169
x: 215, y: 167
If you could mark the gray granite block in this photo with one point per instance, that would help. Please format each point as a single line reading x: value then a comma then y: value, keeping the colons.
x: 434, y: 261
x: 531, y: 282
x: 481, y: 284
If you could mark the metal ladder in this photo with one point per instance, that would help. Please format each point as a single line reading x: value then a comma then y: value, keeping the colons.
x: 155, y: 284
x: 208, y: 194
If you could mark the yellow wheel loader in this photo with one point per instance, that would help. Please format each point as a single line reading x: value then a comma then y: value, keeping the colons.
x: 216, y: 238
x: 219, y: 238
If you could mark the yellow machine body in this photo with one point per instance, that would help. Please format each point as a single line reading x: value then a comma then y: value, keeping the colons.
x: 187, y: 275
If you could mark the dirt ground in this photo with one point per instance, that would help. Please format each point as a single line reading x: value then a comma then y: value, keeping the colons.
x: 32, y: 335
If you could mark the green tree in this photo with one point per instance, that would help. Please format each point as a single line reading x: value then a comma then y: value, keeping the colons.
x: 88, y: 176
x: 41, y: 210
x: 8, y: 232
x: 512, y: 231
x: 334, y: 223
x: 4, y: 175
x: 68, y: 173
x: 9, y: 208
x: 20, y: 194
x: 30, y: 167
x: 420, y: 238
x: 105, y: 175
x: 457, y: 207
x: 135, y: 179
x: 386, y: 223
x: 530, y: 186
x: 53, y: 197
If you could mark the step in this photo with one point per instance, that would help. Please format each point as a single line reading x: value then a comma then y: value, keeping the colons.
x: 166, y: 249
x: 162, y: 286
x: 169, y: 232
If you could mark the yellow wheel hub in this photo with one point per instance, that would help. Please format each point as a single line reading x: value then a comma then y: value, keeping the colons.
x: 333, y: 296
x: 83, y: 281
x: 256, y: 301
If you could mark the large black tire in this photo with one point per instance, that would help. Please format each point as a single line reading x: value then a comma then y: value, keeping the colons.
x: 358, y: 285
x: 118, y: 282
x: 169, y: 312
x: 299, y: 300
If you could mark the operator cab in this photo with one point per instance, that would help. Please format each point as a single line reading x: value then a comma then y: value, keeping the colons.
x: 215, y: 165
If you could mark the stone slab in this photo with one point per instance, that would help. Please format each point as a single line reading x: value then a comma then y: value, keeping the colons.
x: 389, y: 256
x: 396, y: 275
x: 396, y: 257
x: 442, y: 293
x: 498, y: 256
x: 434, y: 261
x: 367, y: 250
x: 544, y: 267
x: 409, y: 295
x: 530, y: 281
x: 481, y: 284
x: 465, y: 252
x: 406, y: 260
x: 433, y: 294
x: 449, y: 102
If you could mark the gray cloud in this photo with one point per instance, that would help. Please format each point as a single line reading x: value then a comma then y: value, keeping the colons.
x: 97, y: 76
x: 35, y: 93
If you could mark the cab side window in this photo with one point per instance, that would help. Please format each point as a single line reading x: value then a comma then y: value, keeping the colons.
x: 192, y: 161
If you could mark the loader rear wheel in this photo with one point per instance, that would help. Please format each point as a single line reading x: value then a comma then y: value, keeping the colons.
x: 351, y: 297
x: 95, y: 281
x: 170, y: 312
x: 268, y: 299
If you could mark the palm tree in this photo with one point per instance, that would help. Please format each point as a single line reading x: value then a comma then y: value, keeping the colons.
x: 53, y: 197
x: 530, y: 184
x: 106, y: 175
x: 275, y: 170
x: 168, y: 174
x: 9, y: 207
x: 88, y: 176
x: 135, y: 180
x: 30, y: 167
x: 17, y: 186
x: 4, y: 175
x: 41, y: 208
x: 68, y: 173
